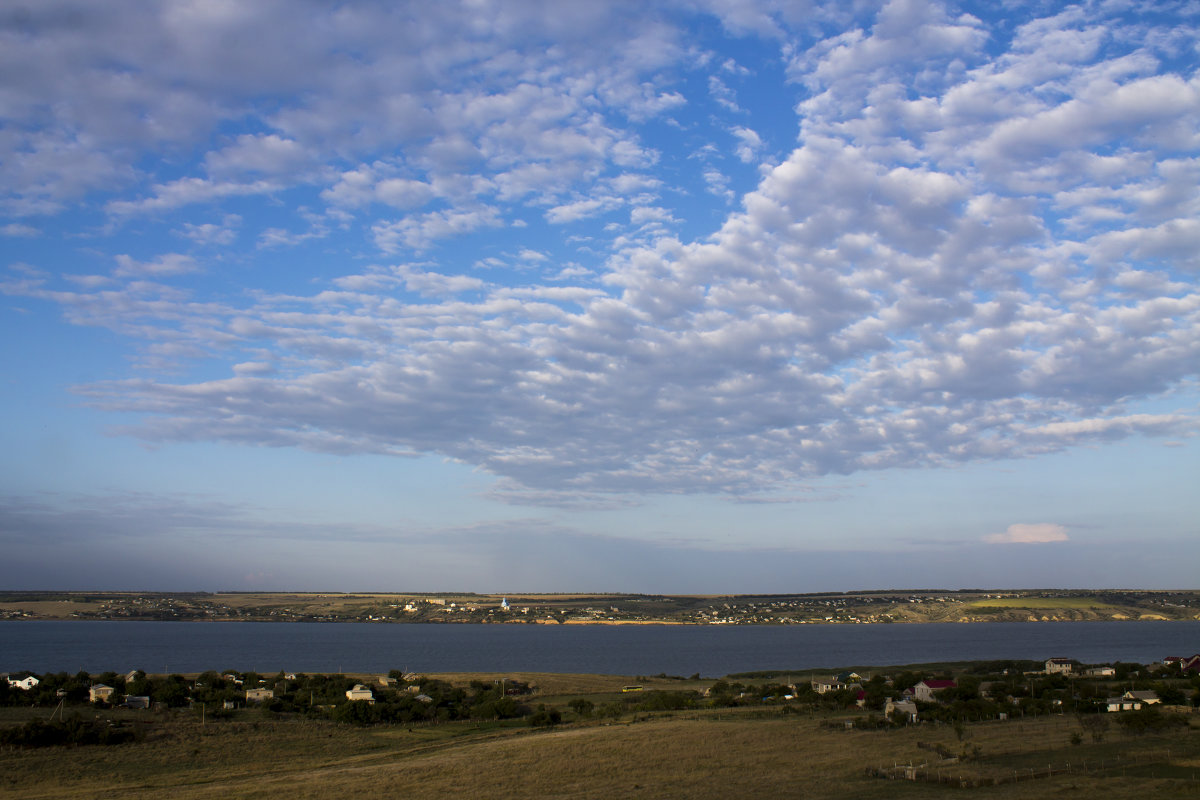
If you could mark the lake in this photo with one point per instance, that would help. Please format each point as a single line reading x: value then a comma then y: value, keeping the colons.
x: 711, y: 650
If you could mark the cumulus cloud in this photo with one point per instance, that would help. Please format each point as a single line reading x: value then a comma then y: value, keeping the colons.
x: 1036, y: 533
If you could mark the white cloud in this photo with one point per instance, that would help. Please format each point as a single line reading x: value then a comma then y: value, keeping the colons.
x: 432, y: 283
x: 188, y: 191
x: 165, y: 265
x: 1037, y: 533
x: 18, y: 229
x: 211, y: 233
x: 717, y: 183
x: 724, y: 96
x: 749, y: 145
x: 268, y: 154
x: 421, y: 231
x: 532, y: 255
x: 581, y: 209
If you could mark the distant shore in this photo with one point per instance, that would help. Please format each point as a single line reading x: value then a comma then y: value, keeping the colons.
x: 850, y: 608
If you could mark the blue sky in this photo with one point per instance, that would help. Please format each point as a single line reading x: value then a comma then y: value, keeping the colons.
x: 719, y: 296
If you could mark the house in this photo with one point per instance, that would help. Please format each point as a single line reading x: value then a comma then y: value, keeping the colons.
x: 926, y: 691
x: 99, y: 693
x: 848, y: 677
x: 1147, y: 697
x: 822, y: 686
x: 132, y: 675
x: 905, y: 710
x: 1123, y: 704
x: 386, y: 680
x: 1191, y: 664
x: 360, y: 692
x: 833, y: 685
x: 1059, y: 666
x: 1100, y: 672
x: 24, y: 684
x: 1132, y: 701
x: 259, y: 695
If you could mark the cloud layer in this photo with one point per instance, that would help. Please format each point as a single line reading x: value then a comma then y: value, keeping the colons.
x: 960, y: 239
x: 1036, y: 533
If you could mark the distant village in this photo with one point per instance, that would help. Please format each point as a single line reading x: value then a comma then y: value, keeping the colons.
x: 809, y: 609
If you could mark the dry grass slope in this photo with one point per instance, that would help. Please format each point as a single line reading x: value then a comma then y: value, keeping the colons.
x: 686, y: 755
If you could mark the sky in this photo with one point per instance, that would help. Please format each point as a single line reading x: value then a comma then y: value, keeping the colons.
x: 694, y: 296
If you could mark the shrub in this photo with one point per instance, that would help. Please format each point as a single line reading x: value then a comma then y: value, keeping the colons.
x: 74, y: 730
x: 582, y: 706
x: 545, y: 717
x: 1149, y: 719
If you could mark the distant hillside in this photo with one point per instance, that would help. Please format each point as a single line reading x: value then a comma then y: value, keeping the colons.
x: 613, y: 609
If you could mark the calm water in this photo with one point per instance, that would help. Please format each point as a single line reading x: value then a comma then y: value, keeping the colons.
x: 617, y: 650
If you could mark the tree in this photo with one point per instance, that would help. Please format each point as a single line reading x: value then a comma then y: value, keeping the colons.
x: 582, y: 706
x: 1095, y: 724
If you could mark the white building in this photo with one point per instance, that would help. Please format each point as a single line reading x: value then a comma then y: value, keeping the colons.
x: 360, y: 692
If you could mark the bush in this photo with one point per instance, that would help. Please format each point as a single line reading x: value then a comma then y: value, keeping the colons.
x: 1149, y: 719
x: 74, y: 730
x: 666, y: 701
x: 497, y: 708
x: 545, y: 717
x: 582, y: 707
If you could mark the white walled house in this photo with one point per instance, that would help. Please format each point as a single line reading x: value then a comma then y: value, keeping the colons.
x: 1059, y: 666
x: 926, y: 691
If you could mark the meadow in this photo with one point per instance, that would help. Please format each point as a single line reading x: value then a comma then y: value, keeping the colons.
x: 752, y: 751
x: 1042, y: 603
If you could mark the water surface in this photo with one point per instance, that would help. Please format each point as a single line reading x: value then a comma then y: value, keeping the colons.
x: 711, y: 650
